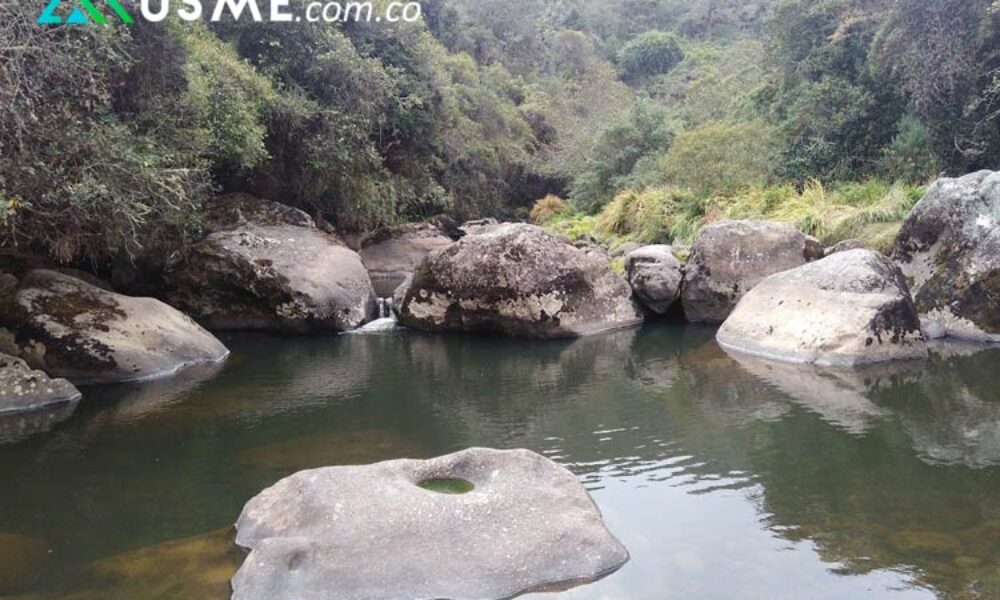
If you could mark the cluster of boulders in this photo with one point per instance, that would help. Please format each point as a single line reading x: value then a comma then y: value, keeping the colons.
x: 777, y: 293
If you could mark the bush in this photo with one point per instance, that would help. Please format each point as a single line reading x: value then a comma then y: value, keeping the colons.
x: 911, y: 157
x: 649, y: 54
x: 548, y: 209
x: 721, y: 157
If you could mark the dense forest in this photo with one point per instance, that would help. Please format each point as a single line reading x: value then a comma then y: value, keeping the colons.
x: 635, y: 118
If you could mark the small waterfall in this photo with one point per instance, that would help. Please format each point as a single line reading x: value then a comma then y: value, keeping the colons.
x: 386, y: 319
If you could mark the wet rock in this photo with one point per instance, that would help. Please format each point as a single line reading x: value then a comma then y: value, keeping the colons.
x: 949, y: 249
x: 851, y: 308
x: 625, y: 249
x: 25, y: 390
x: 271, y: 275
x: 373, y: 532
x: 656, y: 276
x: 71, y: 329
x: 729, y: 258
x: 393, y: 253
x: 22, y: 561
x: 518, y: 280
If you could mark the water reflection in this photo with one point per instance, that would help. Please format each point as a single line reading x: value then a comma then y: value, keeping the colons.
x: 725, y: 476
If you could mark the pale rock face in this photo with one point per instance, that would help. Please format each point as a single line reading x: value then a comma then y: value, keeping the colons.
x: 24, y: 390
x: 729, y: 258
x: 518, y: 280
x: 852, y: 308
x: 87, y: 334
x: 949, y: 250
x: 271, y: 275
x: 372, y: 532
x: 656, y: 277
x: 393, y: 254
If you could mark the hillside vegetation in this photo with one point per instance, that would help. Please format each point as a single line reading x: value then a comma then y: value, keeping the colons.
x: 642, y: 119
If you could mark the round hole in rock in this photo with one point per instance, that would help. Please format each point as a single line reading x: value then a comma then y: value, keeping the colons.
x: 447, y: 485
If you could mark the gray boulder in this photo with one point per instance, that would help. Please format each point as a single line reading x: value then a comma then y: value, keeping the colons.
x: 372, y: 532
x: 69, y: 328
x: 730, y: 257
x: 656, y: 277
x: 393, y: 253
x: 25, y: 390
x: 278, y: 273
x: 518, y: 280
x: 844, y: 246
x: 849, y: 309
x: 949, y: 250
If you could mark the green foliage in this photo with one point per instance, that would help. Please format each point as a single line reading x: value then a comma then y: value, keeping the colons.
x: 911, y: 156
x: 649, y: 54
x: 722, y: 157
x: 643, y: 132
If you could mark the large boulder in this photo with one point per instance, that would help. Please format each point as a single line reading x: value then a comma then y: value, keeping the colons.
x: 392, y: 254
x: 730, y: 257
x: 266, y: 267
x: 518, y: 280
x: 656, y: 277
x: 949, y: 250
x: 393, y: 530
x: 71, y: 329
x: 851, y: 308
x: 25, y: 390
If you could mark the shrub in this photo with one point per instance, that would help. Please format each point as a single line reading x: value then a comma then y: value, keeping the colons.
x: 721, y: 157
x: 549, y: 208
x: 911, y: 157
x: 649, y: 54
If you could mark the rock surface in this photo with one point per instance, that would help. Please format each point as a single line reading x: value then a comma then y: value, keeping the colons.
x: 949, y: 250
x: 275, y: 273
x: 849, y: 309
x: 656, y: 277
x: 730, y: 257
x: 518, y: 280
x: 366, y: 533
x: 392, y: 254
x: 71, y: 329
x: 25, y: 390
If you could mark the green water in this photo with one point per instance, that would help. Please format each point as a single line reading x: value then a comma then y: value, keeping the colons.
x: 724, y: 478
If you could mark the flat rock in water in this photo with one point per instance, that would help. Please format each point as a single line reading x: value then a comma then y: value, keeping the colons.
x: 24, y: 390
x: 848, y: 309
x: 372, y: 532
x: 949, y: 250
x: 72, y: 329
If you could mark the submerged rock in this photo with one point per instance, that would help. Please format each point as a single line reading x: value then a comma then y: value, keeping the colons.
x: 22, y: 561
x: 518, y: 280
x: 71, y: 329
x: 656, y: 276
x: 729, y: 258
x: 949, y: 249
x: 848, y: 309
x: 278, y: 273
x: 25, y: 390
x: 374, y: 532
x: 393, y: 253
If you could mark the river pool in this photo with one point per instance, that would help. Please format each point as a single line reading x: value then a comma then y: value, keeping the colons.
x: 724, y: 477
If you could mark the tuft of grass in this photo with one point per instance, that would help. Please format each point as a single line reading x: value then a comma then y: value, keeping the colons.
x: 548, y: 209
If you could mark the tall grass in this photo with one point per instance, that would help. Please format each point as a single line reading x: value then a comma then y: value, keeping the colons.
x: 871, y: 211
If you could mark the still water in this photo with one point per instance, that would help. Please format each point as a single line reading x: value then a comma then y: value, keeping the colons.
x: 725, y: 478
